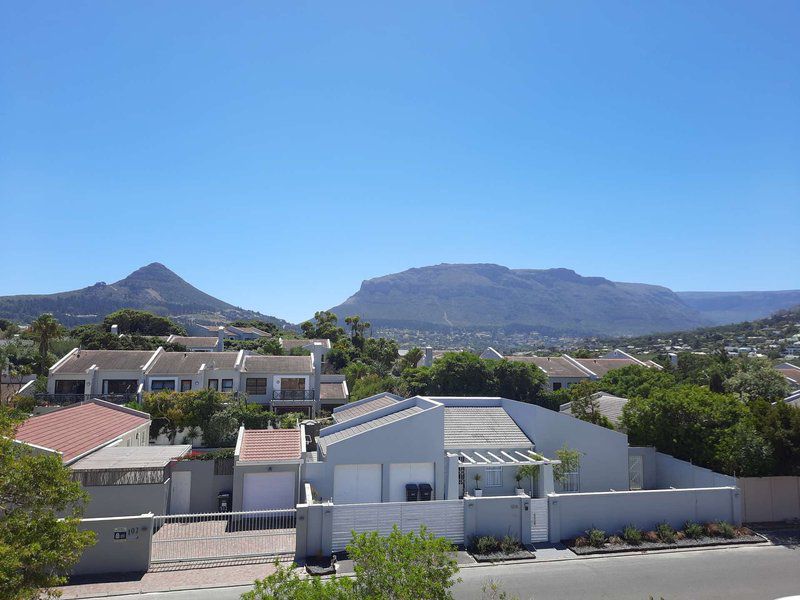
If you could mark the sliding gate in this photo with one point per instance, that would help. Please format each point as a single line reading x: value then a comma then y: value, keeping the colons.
x: 223, y: 536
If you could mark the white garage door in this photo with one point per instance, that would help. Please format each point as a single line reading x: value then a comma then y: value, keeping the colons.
x: 356, y: 484
x: 268, y: 490
x: 402, y: 473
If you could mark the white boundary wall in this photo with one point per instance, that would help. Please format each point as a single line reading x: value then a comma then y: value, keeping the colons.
x: 572, y: 514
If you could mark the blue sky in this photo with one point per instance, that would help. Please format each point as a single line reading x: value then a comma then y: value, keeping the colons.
x: 277, y: 154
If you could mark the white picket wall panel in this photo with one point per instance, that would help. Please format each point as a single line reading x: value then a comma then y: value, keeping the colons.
x: 444, y: 518
x: 540, y: 525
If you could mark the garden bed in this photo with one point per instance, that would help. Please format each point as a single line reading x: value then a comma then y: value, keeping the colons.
x: 663, y: 537
x: 501, y: 556
x: 488, y: 548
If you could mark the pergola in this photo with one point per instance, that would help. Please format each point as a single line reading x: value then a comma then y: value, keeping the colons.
x: 495, y: 457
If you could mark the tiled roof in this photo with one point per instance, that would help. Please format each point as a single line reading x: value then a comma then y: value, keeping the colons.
x: 188, y: 363
x: 608, y: 405
x: 77, y: 429
x: 350, y: 412
x: 131, y: 457
x: 790, y: 372
x: 111, y: 360
x: 343, y: 434
x: 194, y: 342
x: 553, y: 366
x: 270, y: 444
x: 333, y: 390
x: 481, y: 427
x: 601, y: 366
x: 291, y: 344
x: 277, y: 364
x: 255, y: 330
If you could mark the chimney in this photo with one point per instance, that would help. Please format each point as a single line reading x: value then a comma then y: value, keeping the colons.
x: 115, y: 329
x: 428, y: 360
x: 220, y: 339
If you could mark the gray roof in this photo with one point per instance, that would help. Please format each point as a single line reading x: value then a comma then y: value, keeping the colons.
x: 277, y: 364
x: 111, y: 360
x: 187, y: 363
x: 131, y: 457
x: 608, y: 405
x: 289, y: 344
x: 194, y: 341
x: 553, y: 366
x: 348, y: 432
x: 332, y: 390
x: 481, y: 427
x: 351, y: 412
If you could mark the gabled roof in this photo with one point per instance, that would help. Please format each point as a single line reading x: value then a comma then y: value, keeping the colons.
x: 601, y: 366
x: 265, y: 445
x: 790, y: 372
x: 482, y: 427
x: 194, y: 341
x: 110, y: 360
x: 79, y: 428
x: 290, y: 344
x: 348, y: 412
x: 325, y: 440
x: 607, y: 404
x: 189, y: 363
x: 257, y: 363
x: 553, y: 366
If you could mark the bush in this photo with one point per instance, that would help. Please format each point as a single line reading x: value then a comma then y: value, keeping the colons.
x: 597, y: 537
x: 651, y: 536
x: 632, y: 535
x: 692, y: 530
x: 726, y: 530
x: 712, y: 530
x: 485, y: 544
x: 665, y: 533
x: 509, y: 545
x: 580, y: 542
x: 615, y: 540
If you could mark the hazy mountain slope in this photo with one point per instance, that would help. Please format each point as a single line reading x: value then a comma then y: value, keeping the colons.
x: 732, y: 307
x: 154, y: 288
x: 487, y: 295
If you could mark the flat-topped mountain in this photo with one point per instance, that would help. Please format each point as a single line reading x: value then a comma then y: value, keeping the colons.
x: 493, y: 296
x: 154, y: 288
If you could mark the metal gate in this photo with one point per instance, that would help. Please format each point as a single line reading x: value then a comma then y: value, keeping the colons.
x: 540, y: 524
x: 216, y: 536
x: 444, y: 518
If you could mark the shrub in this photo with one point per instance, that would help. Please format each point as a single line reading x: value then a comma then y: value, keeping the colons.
x: 485, y: 544
x: 712, y: 530
x: 726, y: 530
x: 509, y: 545
x: 632, y: 535
x: 665, y: 533
x: 743, y: 531
x: 680, y: 535
x: 693, y: 530
x: 651, y: 536
x: 615, y: 540
x: 597, y: 537
x: 580, y: 542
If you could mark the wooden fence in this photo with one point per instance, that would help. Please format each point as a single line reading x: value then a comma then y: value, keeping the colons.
x: 767, y: 499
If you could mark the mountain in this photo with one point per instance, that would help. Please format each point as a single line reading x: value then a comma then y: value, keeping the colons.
x: 732, y: 307
x: 154, y: 288
x: 493, y: 296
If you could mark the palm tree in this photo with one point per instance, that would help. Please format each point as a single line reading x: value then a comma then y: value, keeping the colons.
x: 45, y: 328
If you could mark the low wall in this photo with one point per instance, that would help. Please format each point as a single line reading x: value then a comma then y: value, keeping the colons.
x: 117, y: 500
x: 675, y: 473
x: 770, y: 498
x: 572, y: 514
x: 497, y: 516
x: 122, y: 545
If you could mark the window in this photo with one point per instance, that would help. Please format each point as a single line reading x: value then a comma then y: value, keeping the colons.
x: 70, y: 386
x: 213, y: 384
x: 572, y: 483
x: 494, y: 477
x: 186, y: 385
x: 227, y: 385
x: 256, y: 386
x: 556, y: 385
x: 461, y: 478
x: 120, y: 386
x: 162, y: 384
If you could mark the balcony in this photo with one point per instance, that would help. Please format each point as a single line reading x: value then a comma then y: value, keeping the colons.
x: 65, y: 399
x: 293, y: 395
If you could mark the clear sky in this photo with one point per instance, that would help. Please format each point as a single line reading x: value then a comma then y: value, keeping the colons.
x: 277, y: 154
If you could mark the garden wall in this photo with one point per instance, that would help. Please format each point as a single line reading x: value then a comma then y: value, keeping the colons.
x: 572, y: 514
x: 674, y: 473
x: 122, y: 545
x: 770, y: 498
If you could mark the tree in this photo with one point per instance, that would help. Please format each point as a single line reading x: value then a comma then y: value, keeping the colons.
x: 756, y: 378
x: 285, y: 584
x: 357, y: 329
x: 381, y: 354
x: 37, y: 546
x: 517, y: 380
x: 584, y: 406
x: 325, y: 326
x: 411, y: 359
x: 461, y: 374
x: 744, y: 452
x: 142, y: 322
x: 44, y: 329
x: 570, y: 463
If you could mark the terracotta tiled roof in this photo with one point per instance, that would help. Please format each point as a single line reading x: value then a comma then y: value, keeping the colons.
x: 270, y: 444
x: 77, y: 429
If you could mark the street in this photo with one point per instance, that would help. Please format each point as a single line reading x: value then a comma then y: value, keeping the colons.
x: 746, y: 573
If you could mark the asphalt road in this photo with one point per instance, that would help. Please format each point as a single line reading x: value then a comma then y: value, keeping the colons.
x: 753, y: 573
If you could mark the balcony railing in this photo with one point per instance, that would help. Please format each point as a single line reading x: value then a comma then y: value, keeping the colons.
x: 293, y: 395
x: 65, y: 399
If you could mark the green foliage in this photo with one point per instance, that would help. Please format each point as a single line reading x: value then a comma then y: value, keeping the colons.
x: 381, y: 354
x: 529, y: 472
x: 142, y: 322
x: 485, y: 544
x: 517, y: 380
x: 585, y: 407
x: 285, y: 584
x: 411, y: 358
x: 632, y: 535
x: 97, y: 337
x: 403, y: 566
x: 325, y: 325
x: 596, y: 537
x: 725, y: 529
x: 223, y: 425
x: 693, y: 530
x: 570, y: 462
x: 460, y: 374
x: 290, y: 420
x: 372, y: 384
x: 44, y: 329
x: 171, y: 411
x: 779, y: 425
x: 37, y: 546
x: 756, y: 379
x: 493, y: 590
x: 666, y: 533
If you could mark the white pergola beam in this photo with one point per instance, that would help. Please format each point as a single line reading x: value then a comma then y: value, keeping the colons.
x: 508, y: 456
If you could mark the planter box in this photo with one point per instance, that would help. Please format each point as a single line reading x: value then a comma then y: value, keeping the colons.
x: 686, y: 543
x: 499, y: 556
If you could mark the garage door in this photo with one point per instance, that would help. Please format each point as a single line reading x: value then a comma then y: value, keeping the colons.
x: 356, y: 484
x: 268, y: 490
x: 402, y: 473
